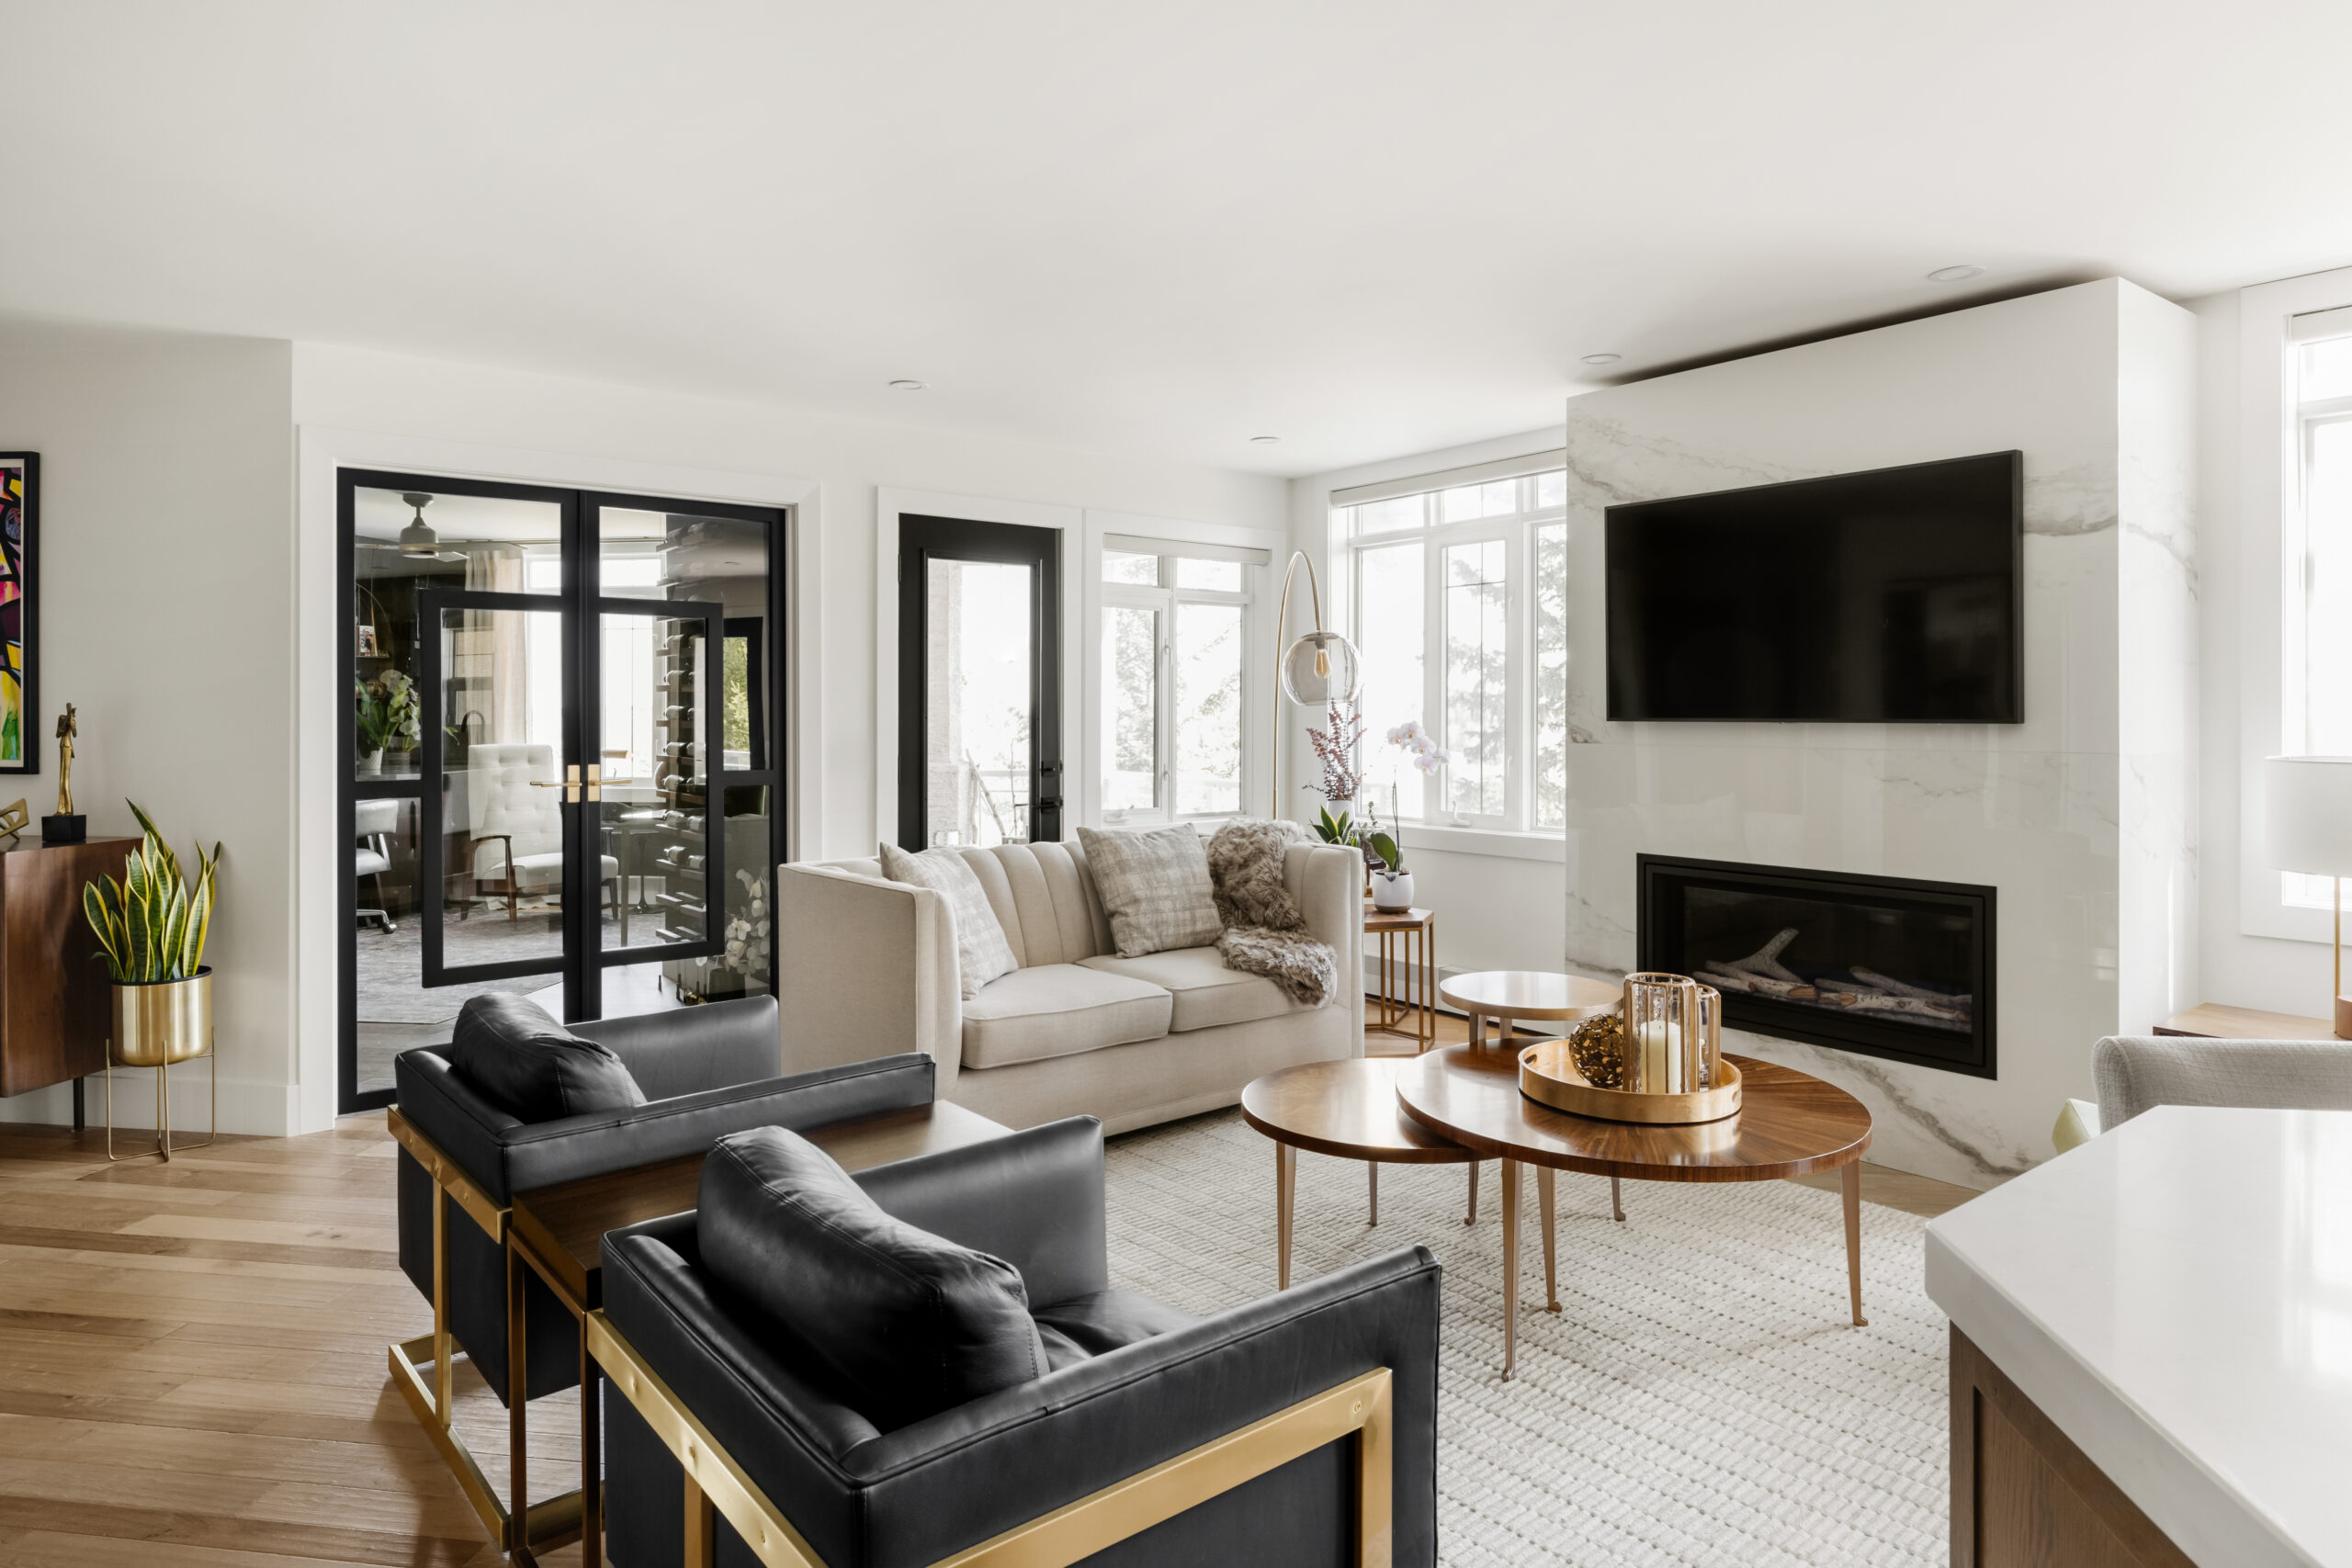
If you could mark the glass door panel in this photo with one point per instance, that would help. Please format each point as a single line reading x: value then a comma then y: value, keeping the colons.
x: 662, y: 678
x: 978, y: 683
x: 499, y: 876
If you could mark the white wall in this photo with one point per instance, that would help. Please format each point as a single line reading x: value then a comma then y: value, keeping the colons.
x: 392, y: 410
x: 166, y: 575
x: 2083, y: 808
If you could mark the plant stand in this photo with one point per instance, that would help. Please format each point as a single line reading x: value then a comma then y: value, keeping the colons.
x: 164, y: 1146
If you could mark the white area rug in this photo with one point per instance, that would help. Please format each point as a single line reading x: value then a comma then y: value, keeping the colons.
x: 1699, y: 1399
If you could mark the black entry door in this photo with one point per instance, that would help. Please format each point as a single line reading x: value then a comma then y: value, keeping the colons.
x: 979, y: 683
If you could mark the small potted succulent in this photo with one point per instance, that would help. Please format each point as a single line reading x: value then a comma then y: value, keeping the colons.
x: 151, y: 926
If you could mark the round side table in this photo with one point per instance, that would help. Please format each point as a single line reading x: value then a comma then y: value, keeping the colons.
x: 1789, y: 1123
x: 1506, y: 994
x: 1349, y: 1108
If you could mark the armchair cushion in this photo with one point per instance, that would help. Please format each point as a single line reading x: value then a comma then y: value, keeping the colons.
x: 907, y: 1324
x: 527, y: 1064
x: 1104, y: 1321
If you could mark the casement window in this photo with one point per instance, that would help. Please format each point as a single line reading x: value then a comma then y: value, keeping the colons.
x: 2315, y: 684
x: 1173, y: 739
x: 1456, y: 590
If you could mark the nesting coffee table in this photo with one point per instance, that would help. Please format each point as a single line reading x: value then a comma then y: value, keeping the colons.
x: 1789, y: 1123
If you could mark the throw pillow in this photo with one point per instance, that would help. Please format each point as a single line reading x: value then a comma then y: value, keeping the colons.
x: 530, y: 1066
x: 1246, y: 873
x: 981, y: 952
x: 909, y: 1324
x: 1155, y: 887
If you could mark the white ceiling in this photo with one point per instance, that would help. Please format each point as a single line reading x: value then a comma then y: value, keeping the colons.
x: 1368, y: 227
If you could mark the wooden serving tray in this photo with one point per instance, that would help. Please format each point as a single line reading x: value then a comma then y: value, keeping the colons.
x: 1548, y: 1074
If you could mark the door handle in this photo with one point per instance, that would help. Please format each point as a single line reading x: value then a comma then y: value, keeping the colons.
x: 571, y: 785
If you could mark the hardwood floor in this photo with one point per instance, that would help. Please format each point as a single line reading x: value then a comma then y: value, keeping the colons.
x: 192, y: 1360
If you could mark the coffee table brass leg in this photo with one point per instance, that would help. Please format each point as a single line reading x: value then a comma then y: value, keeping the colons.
x: 1374, y: 1167
x: 1616, y: 1199
x: 1543, y: 1181
x: 1474, y: 1194
x: 1510, y: 1266
x: 1286, y: 1179
x: 1849, y: 1184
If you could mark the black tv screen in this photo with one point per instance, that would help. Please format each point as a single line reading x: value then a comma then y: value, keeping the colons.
x: 1887, y: 597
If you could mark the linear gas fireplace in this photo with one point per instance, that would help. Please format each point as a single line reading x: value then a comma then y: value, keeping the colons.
x: 1879, y: 964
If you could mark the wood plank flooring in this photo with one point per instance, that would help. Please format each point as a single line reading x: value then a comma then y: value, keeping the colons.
x: 192, y: 1360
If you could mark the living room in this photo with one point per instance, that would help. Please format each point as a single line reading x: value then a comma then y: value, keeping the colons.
x: 1137, y: 661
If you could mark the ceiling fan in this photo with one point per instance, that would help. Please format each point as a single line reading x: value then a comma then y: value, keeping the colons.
x: 417, y: 541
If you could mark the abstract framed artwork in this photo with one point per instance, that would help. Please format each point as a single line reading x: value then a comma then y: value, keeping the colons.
x: 19, y: 625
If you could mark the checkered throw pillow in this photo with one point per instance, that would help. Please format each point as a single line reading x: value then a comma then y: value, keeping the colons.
x: 1155, y: 887
x: 981, y: 952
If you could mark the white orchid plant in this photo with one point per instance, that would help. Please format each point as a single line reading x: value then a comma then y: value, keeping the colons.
x: 1423, y: 753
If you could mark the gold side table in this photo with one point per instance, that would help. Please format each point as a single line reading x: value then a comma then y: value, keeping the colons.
x: 1414, y: 931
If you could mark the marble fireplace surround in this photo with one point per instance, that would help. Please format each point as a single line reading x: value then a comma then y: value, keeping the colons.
x: 2082, y: 816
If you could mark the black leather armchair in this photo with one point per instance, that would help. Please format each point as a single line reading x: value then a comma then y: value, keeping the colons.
x: 705, y: 1072
x: 1299, y: 1430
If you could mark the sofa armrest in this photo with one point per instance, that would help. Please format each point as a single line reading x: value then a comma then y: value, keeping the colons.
x: 2137, y: 1073
x: 866, y: 967
x: 690, y: 1050
x: 505, y: 1156
x: 1327, y: 881
x: 1032, y: 1198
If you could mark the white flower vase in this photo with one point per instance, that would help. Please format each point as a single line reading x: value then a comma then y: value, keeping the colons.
x: 371, y: 764
x: 1392, y: 891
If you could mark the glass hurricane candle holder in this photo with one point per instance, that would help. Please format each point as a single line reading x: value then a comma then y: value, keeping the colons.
x: 1673, y: 1035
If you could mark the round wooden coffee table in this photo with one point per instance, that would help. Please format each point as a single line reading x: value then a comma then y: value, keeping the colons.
x: 1346, y: 1108
x: 1506, y: 994
x: 1789, y: 1123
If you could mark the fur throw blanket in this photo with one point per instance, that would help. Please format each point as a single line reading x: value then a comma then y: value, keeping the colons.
x: 1265, y: 930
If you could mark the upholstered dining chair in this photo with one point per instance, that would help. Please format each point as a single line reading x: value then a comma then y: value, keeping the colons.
x: 373, y: 823
x: 1297, y: 1429
x: 705, y: 1072
x: 2136, y: 1073
x: 516, y: 808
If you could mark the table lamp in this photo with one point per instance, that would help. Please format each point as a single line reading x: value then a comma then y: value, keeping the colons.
x: 2307, y: 809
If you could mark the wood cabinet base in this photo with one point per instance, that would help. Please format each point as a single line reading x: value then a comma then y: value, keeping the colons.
x: 2023, y: 1495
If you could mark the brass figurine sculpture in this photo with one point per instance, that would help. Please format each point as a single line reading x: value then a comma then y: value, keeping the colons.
x: 67, y: 728
x: 67, y: 827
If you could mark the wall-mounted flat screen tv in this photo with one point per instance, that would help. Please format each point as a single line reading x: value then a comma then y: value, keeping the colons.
x: 1888, y: 597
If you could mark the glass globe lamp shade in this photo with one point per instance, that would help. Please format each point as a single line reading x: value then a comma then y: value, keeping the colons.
x: 1320, y: 668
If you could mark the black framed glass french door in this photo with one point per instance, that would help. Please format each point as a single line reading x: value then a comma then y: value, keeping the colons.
x: 566, y: 782
x: 979, y: 683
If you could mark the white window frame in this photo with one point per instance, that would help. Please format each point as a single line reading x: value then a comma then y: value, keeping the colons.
x: 1433, y: 808
x: 1170, y: 540
x: 2270, y: 468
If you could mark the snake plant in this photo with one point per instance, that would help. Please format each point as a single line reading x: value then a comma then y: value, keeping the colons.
x: 153, y: 923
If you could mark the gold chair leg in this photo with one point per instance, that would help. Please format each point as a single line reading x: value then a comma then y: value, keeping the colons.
x: 702, y: 1525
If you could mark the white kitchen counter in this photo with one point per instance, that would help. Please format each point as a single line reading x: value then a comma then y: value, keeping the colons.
x: 2177, y: 1296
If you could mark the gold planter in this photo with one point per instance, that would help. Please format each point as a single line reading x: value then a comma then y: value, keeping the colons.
x: 157, y: 1023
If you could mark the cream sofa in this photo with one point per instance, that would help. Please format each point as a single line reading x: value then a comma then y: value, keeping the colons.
x: 866, y: 967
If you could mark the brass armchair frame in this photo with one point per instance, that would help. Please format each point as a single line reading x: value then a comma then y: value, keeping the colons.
x: 717, y: 1488
x: 555, y: 1522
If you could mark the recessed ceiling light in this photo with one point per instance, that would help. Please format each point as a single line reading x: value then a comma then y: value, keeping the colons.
x: 1265, y: 440
x: 1960, y: 273
x: 906, y: 386
x: 1602, y: 358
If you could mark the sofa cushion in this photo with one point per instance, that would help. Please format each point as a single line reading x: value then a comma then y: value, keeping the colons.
x: 909, y: 1324
x: 981, y: 952
x: 1060, y: 1009
x: 1155, y: 887
x: 1206, y: 992
x: 512, y: 1054
x: 1102, y: 1320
